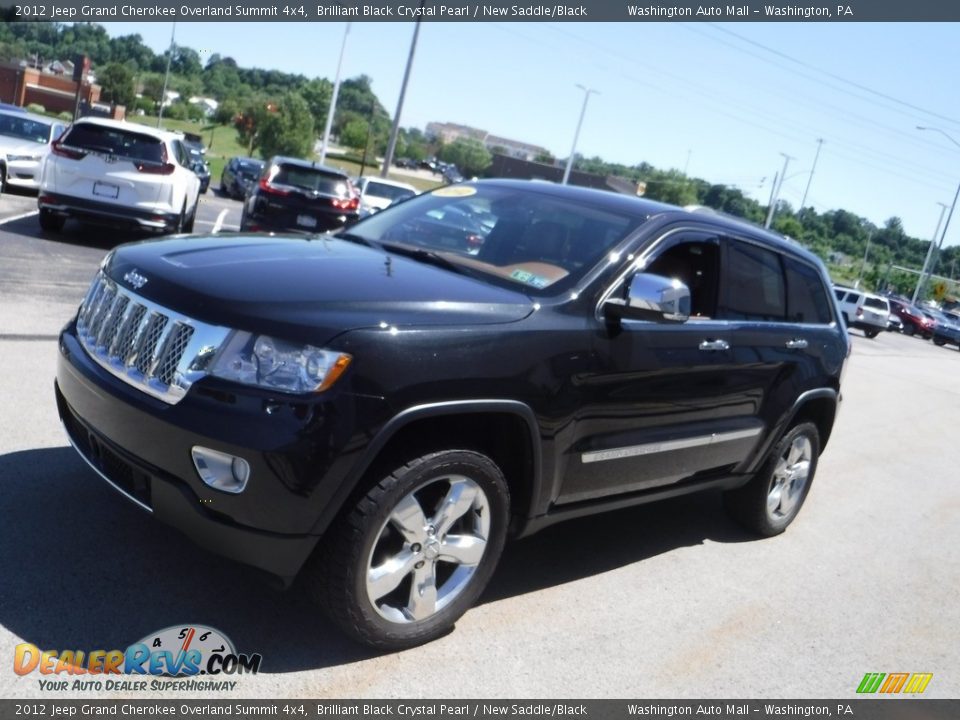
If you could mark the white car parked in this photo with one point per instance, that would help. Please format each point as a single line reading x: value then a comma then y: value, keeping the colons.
x: 863, y: 310
x: 24, y: 143
x: 378, y: 193
x: 118, y: 173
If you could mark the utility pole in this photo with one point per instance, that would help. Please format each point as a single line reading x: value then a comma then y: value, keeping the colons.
x: 926, y: 262
x: 812, y: 170
x: 775, y: 198
x: 395, y: 129
x: 863, y: 267
x: 166, y: 77
x: 576, y: 135
x: 333, y: 99
x: 687, y: 163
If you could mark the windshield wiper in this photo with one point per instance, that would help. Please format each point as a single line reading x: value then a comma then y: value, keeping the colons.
x: 354, y: 238
x: 425, y: 256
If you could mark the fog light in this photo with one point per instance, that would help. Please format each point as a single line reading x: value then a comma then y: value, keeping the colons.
x: 221, y: 471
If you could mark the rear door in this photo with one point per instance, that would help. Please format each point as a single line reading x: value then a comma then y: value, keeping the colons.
x: 111, y: 165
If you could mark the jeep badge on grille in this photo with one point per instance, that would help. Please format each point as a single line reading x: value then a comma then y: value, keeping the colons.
x: 135, y: 279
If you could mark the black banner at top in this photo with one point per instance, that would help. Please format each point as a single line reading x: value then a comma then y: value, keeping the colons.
x: 489, y: 10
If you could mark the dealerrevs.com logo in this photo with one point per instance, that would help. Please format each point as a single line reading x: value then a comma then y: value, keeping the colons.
x: 179, y: 651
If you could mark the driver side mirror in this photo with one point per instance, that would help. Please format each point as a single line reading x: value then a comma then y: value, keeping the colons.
x: 652, y: 297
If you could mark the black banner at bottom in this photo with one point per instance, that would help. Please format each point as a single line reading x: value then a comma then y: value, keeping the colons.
x: 875, y: 709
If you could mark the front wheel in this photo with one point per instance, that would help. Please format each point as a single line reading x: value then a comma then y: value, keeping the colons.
x: 939, y: 341
x: 909, y: 330
x: 415, y: 552
x: 770, y: 501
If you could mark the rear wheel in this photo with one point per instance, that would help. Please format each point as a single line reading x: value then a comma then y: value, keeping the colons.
x: 773, y: 497
x: 50, y: 221
x: 3, y: 178
x: 939, y: 341
x: 416, y: 550
x: 188, y: 225
x: 871, y: 333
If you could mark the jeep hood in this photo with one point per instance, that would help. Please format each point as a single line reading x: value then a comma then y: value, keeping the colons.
x: 305, y: 288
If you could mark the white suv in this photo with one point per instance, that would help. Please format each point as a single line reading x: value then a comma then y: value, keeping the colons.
x: 118, y: 173
x: 863, y: 310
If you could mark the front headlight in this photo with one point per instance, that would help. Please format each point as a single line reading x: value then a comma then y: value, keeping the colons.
x: 263, y: 361
x: 15, y: 158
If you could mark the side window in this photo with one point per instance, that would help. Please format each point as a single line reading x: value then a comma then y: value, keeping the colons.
x: 753, y: 287
x: 807, y: 300
x: 695, y: 263
x: 839, y: 294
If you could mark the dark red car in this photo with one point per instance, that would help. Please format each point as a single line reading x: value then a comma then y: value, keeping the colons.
x: 914, y: 321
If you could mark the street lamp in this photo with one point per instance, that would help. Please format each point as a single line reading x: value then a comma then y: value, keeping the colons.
x: 166, y: 76
x: 333, y: 99
x: 576, y: 135
x: 953, y: 207
x: 775, y: 195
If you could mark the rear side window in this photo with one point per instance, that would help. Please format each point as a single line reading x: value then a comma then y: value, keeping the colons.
x: 807, y: 300
x: 876, y: 303
x: 840, y: 294
x: 311, y: 180
x: 753, y: 287
x: 113, y: 141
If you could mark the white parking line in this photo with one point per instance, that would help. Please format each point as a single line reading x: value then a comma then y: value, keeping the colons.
x: 19, y: 217
x: 222, y: 226
x: 219, y: 223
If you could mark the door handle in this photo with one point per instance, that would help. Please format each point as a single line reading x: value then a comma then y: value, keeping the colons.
x: 714, y: 345
x: 796, y: 344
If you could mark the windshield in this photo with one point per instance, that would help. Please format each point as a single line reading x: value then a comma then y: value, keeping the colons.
x: 113, y: 141
x: 391, y: 192
x: 310, y: 179
x: 520, y: 238
x: 23, y: 128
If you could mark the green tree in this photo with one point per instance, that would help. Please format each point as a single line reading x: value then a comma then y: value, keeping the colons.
x: 152, y: 89
x: 249, y: 122
x: 467, y: 154
x: 354, y: 134
x: 288, y: 130
x: 117, y: 83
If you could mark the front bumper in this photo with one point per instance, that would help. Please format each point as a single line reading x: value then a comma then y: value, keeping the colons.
x: 107, y: 213
x: 141, y: 446
x: 23, y: 174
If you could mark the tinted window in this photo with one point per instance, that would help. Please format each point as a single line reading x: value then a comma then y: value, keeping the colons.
x: 310, y: 179
x: 807, y: 300
x: 391, y: 192
x: 839, y: 294
x: 694, y: 262
x: 753, y: 284
x: 113, y: 141
x: 878, y: 303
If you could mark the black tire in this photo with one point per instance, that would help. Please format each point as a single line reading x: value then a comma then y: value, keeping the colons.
x: 3, y: 178
x: 939, y: 341
x: 909, y: 330
x: 750, y: 505
x: 871, y: 333
x: 187, y: 227
x: 50, y: 221
x: 338, y: 575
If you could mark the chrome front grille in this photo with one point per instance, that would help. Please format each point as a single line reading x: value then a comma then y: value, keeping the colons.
x: 145, y: 345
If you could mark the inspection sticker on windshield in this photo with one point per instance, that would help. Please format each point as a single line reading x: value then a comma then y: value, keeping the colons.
x: 455, y: 191
x: 529, y: 278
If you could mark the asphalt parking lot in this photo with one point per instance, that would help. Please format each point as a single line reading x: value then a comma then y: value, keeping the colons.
x: 670, y: 600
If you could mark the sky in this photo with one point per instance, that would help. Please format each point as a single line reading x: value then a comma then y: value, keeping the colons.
x: 723, y: 101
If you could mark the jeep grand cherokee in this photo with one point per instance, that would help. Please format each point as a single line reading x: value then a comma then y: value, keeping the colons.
x: 379, y: 410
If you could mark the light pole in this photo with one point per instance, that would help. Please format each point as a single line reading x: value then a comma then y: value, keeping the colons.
x: 775, y: 196
x: 576, y: 135
x: 395, y: 128
x: 812, y: 170
x: 166, y: 77
x: 333, y: 99
x: 953, y: 206
x: 926, y: 261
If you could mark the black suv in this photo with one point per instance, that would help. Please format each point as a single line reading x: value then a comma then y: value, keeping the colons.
x: 298, y: 195
x: 379, y: 414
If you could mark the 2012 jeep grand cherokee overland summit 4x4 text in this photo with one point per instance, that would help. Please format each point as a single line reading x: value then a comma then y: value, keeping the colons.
x: 378, y: 410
